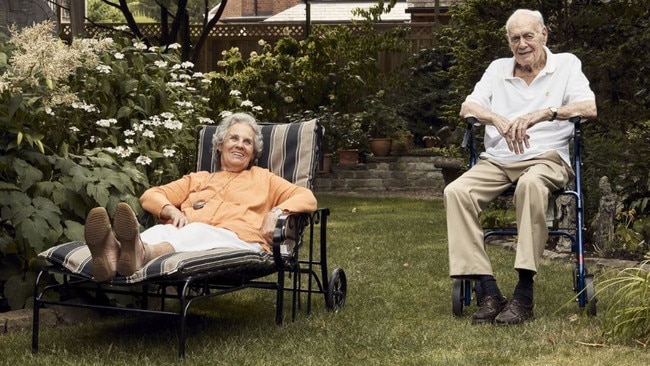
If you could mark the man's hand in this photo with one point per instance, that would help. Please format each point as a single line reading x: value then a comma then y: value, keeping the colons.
x: 516, y: 136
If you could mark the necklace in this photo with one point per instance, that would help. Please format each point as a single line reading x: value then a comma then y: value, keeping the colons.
x: 201, y: 203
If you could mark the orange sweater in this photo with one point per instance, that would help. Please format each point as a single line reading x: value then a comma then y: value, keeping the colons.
x: 237, y: 202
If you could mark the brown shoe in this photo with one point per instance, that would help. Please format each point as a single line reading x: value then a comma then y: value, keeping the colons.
x: 104, y: 247
x: 127, y: 230
x: 515, y: 312
x: 490, y: 307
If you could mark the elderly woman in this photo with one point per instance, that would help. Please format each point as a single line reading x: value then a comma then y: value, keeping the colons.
x: 235, y: 207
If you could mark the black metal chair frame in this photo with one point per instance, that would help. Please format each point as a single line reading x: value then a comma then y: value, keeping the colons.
x: 209, y: 284
x: 583, y: 282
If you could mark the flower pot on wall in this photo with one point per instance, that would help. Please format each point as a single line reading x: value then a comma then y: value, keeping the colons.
x: 430, y: 143
x: 348, y: 157
x: 380, y: 147
x: 325, y: 165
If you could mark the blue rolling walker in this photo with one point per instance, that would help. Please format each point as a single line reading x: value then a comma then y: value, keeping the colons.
x: 464, y: 291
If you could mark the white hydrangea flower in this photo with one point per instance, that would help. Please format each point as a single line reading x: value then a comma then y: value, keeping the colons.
x: 160, y: 63
x: 176, y: 84
x: 104, y: 69
x: 205, y: 120
x: 140, y: 45
x: 235, y: 93
x: 118, y: 55
x: 73, y: 129
x: 187, y: 65
x: 149, y: 134
x: 173, y: 124
x: 106, y: 122
x: 174, y: 46
x: 246, y: 103
x: 168, y: 153
x: 225, y: 114
x: 143, y: 160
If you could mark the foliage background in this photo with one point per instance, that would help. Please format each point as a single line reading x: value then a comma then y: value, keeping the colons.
x: 54, y: 164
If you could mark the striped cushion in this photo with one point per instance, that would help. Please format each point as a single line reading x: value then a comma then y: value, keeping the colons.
x: 75, y: 257
x: 290, y: 150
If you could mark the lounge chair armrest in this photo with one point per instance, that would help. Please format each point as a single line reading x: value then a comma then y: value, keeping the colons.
x: 287, y: 235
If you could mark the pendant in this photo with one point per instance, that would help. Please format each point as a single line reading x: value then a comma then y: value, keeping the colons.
x: 198, y: 205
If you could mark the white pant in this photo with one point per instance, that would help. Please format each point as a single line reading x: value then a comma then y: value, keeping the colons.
x: 196, y: 236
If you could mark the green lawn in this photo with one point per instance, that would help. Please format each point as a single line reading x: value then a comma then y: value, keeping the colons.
x: 398, y: 311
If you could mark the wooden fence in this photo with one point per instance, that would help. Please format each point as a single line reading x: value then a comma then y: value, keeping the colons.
x: 246, y: 36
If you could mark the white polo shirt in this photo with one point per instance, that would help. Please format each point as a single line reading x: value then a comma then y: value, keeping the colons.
x: 560, y: 82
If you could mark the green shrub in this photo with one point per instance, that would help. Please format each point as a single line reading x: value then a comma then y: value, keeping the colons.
x: 628, y: 311
x: 88, y: 124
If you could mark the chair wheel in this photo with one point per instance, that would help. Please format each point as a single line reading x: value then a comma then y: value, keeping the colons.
x: 337, y: 290
x: 590, y: 290
x: 458, y: 297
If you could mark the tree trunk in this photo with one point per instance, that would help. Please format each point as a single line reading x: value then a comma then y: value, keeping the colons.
x: 77, y: 17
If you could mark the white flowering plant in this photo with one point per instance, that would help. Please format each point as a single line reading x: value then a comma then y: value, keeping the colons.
x: 87, y: 124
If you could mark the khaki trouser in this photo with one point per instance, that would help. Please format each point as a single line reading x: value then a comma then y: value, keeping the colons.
x: 466, y: 197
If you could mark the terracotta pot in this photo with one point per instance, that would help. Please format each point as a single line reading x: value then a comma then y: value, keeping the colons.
x: 325, y: 165
x: 429, y: 143
x: 348, y: 157
x: 380, y: 147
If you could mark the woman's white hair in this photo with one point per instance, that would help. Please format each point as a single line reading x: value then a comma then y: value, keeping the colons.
x: 222, y: 129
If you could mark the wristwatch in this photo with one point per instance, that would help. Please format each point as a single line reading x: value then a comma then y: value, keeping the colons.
x: 277, y: 211
x: 554, y: 111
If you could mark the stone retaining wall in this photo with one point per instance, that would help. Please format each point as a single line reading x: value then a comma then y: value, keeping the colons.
x: 394, y: 173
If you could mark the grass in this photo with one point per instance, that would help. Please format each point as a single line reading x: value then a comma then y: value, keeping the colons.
x: 398, y: 311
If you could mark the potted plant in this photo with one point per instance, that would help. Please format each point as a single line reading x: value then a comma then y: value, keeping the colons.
x: 431, y: 141
x: 381, y: 121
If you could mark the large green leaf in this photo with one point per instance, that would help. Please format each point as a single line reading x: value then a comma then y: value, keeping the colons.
x: 124, y: 111
x: 48, y: 210
x: 73, y: 230
x: 27, y: 174
x: 19, y: 288
x: 8, y: 186
x: 32, y: 231
x: 99, y: 192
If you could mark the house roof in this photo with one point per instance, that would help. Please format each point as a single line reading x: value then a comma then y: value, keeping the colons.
x: 337, y: 12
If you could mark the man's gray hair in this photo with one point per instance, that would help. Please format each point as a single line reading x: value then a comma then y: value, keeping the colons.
x: 533, y: 13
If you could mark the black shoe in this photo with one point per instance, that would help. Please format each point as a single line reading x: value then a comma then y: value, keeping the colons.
x: 490, y: 307
x: 515, y: 312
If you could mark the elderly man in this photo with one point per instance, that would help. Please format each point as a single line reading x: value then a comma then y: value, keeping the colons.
x: 524, y: 102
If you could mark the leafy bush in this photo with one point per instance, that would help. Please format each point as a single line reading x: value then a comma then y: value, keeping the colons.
x: 332, y: 73
x: 87, y: 124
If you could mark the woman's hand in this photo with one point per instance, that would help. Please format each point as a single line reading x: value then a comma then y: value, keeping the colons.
x: 172, y: 215
x: 268, y: 226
